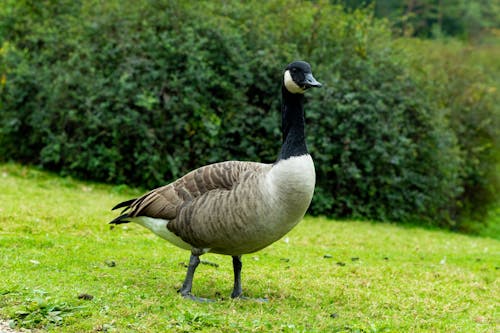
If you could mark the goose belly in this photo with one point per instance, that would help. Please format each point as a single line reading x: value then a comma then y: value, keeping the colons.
x: 159, y: 227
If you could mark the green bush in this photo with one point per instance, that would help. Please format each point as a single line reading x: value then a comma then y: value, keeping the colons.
x: 383, y: 153
x: 140, y: 93
x: 464, y: 89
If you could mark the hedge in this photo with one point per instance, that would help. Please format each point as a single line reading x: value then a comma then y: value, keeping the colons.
x: 142, y: 92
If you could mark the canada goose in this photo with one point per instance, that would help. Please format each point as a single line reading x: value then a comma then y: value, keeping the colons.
x: 236, y: 207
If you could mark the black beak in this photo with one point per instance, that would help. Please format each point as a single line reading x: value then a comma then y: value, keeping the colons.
x: 310, y: 81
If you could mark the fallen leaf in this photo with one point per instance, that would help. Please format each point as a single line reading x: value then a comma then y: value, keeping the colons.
x: 110, y: 263
x: 85, y: 296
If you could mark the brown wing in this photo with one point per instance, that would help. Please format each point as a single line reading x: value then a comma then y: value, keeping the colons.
x: 165, y: 202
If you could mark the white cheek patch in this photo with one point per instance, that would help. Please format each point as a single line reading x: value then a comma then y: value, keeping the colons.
x: 290, y: 84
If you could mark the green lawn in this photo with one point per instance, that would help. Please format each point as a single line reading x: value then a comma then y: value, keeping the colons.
x: 56, y: 250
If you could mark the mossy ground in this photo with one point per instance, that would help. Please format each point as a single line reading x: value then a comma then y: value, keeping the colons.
x: 64, y: 270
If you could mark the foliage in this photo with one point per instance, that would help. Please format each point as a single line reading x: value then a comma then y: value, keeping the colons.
x: 39, y: 310
x: 382, y: 154
x: 465, y: 85
x: 471, y: 20
x: 325, y: 276
x: 142, y: 92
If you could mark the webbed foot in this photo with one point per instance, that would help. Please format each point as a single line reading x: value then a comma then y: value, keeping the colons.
x: 246, y: 298
x: 197, y: 299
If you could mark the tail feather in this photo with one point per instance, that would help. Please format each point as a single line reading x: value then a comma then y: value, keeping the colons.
x: 124, y: 204
x: 120, y: 219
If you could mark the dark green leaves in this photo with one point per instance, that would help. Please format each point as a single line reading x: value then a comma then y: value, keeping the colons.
x: 141, y: 93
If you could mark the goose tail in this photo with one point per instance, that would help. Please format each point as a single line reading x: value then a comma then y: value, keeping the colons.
x: 125, y: 204
x: 121, y: 219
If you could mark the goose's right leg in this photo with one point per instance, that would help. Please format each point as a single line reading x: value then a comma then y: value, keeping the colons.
x: 237, y: 277
x: 237, y: 293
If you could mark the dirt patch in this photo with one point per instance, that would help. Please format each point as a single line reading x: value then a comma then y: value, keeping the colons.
x: 5, y: 328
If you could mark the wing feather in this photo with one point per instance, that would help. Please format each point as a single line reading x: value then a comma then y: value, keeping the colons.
x: 165, y: 202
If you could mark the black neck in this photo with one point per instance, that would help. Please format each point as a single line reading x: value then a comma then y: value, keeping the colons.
x: 294, y: 141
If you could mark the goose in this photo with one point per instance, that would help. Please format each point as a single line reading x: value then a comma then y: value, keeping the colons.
x: 236, y: 207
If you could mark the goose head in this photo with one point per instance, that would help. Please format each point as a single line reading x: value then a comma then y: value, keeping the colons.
x: 298, y: 77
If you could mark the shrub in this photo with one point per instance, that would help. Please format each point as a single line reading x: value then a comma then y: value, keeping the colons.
x: 462, y: 83
x: 383, y: 153
x: 140, y: 93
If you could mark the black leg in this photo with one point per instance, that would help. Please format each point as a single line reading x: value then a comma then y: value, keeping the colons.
x: 237, y: 277
x: 194, y: 261
x: 185, y: 291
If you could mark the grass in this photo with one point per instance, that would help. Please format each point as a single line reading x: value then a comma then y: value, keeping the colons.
x: 64, y: 270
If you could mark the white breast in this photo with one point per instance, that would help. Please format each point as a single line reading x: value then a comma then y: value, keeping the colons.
x: 291, y: 186
x: 294, y: 177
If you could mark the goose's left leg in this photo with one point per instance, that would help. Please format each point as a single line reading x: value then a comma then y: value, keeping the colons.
x: 185, y: 290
